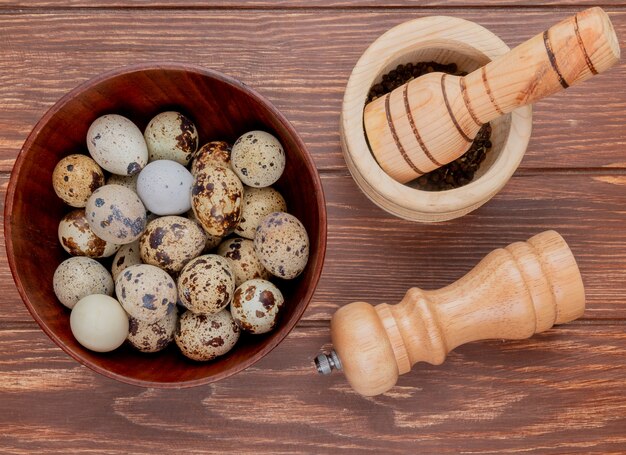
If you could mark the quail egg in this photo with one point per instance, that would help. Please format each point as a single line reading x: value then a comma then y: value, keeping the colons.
x: 206, y: 284
x: 212, y: 241
x: 203, y: 337
x: 79, y: 277
x: 170, y: 242
x: 129, y: 181
x: 257, y: 204
x: 126, y: 256
x: 282, y: 245
x: 117, y: 145
x: 258, y: 159
x: 171, y: 136
x: 116, y: 214
x: 243, y: 260
x: 77, y: 238
x: 216, y: 197
x: 146, y: 292
x: 256, y: 306
x: 164, y: 187
x: 216, y: 152
x: 99, y: 323
x: 75, y: 177
x: 155, y: 336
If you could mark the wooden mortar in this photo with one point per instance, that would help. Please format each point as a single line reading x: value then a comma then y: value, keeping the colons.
x: 445, y: 40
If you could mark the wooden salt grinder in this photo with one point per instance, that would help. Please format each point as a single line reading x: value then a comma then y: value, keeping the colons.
x: 433, y: 119
x: 513, y: 293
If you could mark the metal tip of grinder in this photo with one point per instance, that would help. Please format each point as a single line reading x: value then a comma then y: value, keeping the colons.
x: 326, y: 363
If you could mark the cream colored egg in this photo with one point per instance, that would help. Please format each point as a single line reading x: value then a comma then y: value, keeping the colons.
x: 212, y: 241
x: 117, y: 145
x: 146, y: 292
x: 206, y: 284
x: 99, y: 323
x: 75, y: 177
x: 116, y: 214
x: 243, y: 260
x: 203, y: 337
x: 257, y: 204
x: 79, y: 277
x: 126, y: 256
x: 258, y: 159
x: 216, y: 196
x: 129, y: 181
x: 256, y: 306
x: 170, y: 242
x: 155, y: 336
x: 282, y: 245
x: 171, y: 136
x: 77, y: 238
x: 216, y: 152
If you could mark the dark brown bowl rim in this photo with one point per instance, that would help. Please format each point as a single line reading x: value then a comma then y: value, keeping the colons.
x: 308, y: 160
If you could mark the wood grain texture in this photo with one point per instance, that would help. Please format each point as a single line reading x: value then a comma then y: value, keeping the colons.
x: 375, y: 257
x: 280, y: 54
x: 558, y: 392
x: 542, y: 395
x: 291, y: 4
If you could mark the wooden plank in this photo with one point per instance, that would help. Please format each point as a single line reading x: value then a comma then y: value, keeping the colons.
x: 375, y: 257
x: 559, y: 392
x: 45, y: 54
x: 293, y: 4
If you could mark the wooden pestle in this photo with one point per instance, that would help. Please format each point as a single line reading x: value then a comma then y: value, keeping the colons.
x: 513, y: 293
x: 432, y: 120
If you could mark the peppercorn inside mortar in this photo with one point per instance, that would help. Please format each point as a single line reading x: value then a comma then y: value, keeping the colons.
x: 460, y: 171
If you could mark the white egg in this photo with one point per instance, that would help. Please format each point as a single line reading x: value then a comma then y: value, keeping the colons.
x: 99, y: 323
x: 164, y: 187
x: 117, y: 145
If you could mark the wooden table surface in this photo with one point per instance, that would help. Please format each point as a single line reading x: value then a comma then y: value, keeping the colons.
x: 562, y: 391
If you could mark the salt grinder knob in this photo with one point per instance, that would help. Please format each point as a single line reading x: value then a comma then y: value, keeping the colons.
x: 513, y: 293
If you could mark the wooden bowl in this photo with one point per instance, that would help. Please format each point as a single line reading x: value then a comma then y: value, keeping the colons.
x: 444, y: 40
x: 222, y: 108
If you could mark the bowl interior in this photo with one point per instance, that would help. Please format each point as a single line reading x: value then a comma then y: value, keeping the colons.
x: 222, y: 109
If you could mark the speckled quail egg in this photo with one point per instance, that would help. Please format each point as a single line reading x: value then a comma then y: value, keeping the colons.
x: 243, y: 260
x: 164, y: 187
x: 116, y: 214
x: 170, y: 242
x: 257, y: 204
x: 117, y: 145
x: 212, y: 241
x: 79, y: 277
x: 258, y: 159
x: 171, y: 136
x: 75, y: 177
x: 256, y: 306
x: 129, y: 181
x: 78, y: 239
x: 146, y: 292
x: 99, y: 323
x: 216, y: 152
x: 206, y: 284
x: 216, y: 197
x: 203, y: 337
x: 155, y: 336
x: 282, y: 245
x: 126, y: 256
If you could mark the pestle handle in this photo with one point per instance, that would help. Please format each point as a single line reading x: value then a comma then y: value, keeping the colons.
x: 567, y: 53
x: 513, y: 293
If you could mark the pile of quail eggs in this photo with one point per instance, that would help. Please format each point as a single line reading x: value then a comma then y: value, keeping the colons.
x: 196, y: 231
